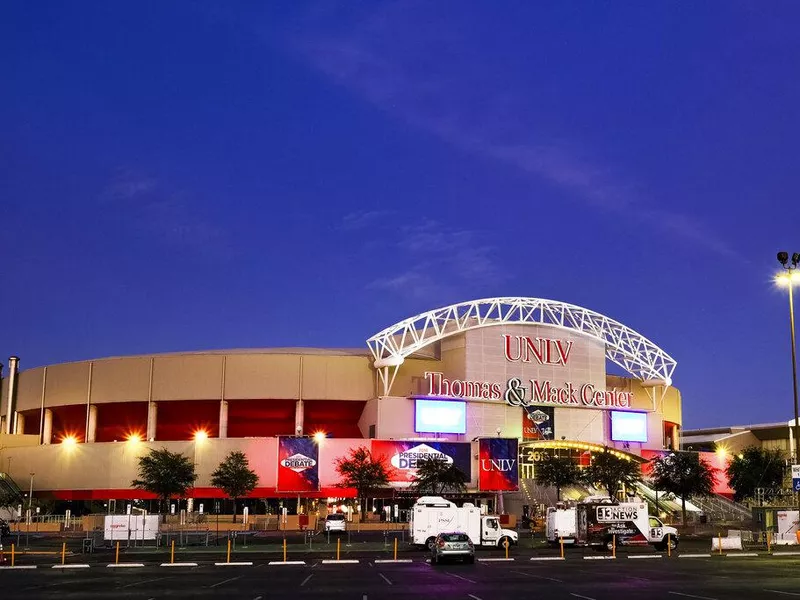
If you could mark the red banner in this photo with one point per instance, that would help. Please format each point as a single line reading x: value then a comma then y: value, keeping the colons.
x: 499, y: 464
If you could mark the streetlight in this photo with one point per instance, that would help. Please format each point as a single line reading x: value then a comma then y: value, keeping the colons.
x: 788, y: 279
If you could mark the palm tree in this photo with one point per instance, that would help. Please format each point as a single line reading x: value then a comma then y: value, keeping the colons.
x: 435, y: 476
x: 611, y: 471
x: 685, y: 475
x: 557, y: 471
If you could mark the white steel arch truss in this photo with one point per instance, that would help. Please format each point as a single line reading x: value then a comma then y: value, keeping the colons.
x: 625, y: 347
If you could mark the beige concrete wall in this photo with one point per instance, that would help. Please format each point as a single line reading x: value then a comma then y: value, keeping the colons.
x: 187, y: 377
x: 338, y: 378
x: 369, y: 416
x: 29, y: 389
x: 256, y: 376
x: 410, y: 376
x: 120, y: 380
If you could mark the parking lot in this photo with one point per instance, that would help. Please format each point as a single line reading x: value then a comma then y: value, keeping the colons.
x: 714, y: 578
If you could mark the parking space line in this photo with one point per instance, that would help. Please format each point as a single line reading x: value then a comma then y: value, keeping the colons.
x: 538, y: 576
x: 459, y: 577
x: 257, y: 598
x: 691, y: 596
x: 305, y: 581
x: 785, y: 593
x: 386, y: 579
x: 579, y: 596
x: 473, y: 597
x: 225, y: 581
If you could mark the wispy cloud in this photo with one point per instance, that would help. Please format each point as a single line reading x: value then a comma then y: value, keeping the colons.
x: 363, y: 219
x: 377, y: 60
x: 439, y: 262
x: 152, y: 208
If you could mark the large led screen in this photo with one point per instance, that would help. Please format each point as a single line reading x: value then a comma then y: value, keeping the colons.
x: 628, y: 426
x: 440, y: 416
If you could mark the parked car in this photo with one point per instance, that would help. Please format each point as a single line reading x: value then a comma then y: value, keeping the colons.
x: 453, y: 545
x: 335, y: 522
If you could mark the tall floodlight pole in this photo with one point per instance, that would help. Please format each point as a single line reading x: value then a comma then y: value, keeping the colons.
x: 789, y: 279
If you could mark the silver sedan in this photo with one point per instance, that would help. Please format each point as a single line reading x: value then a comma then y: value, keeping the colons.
x: 453, y: 545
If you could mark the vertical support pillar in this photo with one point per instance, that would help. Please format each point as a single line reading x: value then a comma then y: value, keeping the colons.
x: 11, y: 394
x: 298, y: 417
x: 88, y: 402
x: 91, y: 434
x: 47, y: 427
x: 223, y: 419
x: 19, y: 426
x: 152, y: 418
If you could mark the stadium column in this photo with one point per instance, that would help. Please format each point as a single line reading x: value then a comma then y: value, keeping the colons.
x: 47, y: 428
x: 19, y: 426
x: 152, y: 417
x: 223, y: 419
x: 298, y: 417
x: 91, y: 433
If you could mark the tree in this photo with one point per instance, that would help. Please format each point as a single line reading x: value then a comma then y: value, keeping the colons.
x: 360, y: 470
x: 9, y: 499
x: 435, y: 476
x: 165, y: 474
x: 557, y: 471
x: 611, y: 471
x: 756, y: 468
x: 685, y: 475
x: 235, y: 477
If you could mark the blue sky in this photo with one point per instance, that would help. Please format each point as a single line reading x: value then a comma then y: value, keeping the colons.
x: 181, y: 176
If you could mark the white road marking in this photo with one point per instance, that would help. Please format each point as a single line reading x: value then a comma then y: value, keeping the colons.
x: 305, y: 581
x: 145, y: 581
x: 225, y: 581
x: 692, y: 596
x: 473, y: 597
x: 386, y: 579
x: 780, y: 592
x: 538, y: 576
x: 579, y: 596
x: 459, y: 577
x: 257, y: 598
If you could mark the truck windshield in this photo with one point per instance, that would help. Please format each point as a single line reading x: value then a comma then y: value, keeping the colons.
x: 491, y: 523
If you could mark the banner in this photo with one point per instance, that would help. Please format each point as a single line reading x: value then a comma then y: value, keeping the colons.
x: 298, y: 464
x: 498, y: 465
x: 401, y: 457
x: 538, y: 423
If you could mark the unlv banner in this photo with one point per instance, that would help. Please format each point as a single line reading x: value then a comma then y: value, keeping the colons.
x: 298, y: 464
x: 538, y: 423
x: 498, y: 465
x: 402, y: 457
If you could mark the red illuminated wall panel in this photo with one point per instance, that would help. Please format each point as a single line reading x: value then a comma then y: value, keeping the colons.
x: 69, y: 421
x: 337, y: 418
x: 180, y: 420
x: 260, y: 418
x: 117, y: 421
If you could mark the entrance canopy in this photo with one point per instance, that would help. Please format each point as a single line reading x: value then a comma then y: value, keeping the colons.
x: 623, y: 346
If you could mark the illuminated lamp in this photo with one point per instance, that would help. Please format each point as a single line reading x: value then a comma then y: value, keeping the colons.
x: 201, y: 435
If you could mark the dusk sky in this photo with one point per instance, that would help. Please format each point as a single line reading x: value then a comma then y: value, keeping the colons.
x: 197, y: 175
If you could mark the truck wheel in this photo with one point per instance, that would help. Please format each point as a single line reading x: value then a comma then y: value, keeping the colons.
x: 672, y: 541
x: 501, y: 543
x: 430, y: 542
x: 610, y: 544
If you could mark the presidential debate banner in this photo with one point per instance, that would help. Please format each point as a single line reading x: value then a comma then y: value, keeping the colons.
x: 401, y: 458
x: 498, y: 465
x: 298, y: 464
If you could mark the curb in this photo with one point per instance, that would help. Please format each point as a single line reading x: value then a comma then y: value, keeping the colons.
x: 124, y: 565
x: 20, y: 567
x: 694, y: 555
x: 178, y: 564
x: 547, y: 558
x: 233, y: 564
x: 646, y: 556
x: 288, y: 562
x: 333, y: 561
x: 70, y: 567
x: 748, y: 554
x: 399, y: 560
x: 599, y: 558
x: 496, y: 559
x: 786, y: 554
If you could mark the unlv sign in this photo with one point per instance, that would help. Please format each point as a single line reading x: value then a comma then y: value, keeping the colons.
x: 534, y: 350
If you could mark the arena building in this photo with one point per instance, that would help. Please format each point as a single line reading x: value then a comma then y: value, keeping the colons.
x: 483, y: 383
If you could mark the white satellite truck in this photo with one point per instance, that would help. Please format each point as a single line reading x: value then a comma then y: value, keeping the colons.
x: 601, y: 522
x: 433, y: 515
x: 562, y: 524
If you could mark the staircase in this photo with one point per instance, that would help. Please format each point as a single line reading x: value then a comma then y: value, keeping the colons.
x: 9, y: 487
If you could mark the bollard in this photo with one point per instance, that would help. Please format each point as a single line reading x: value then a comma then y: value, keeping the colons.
x: 12, y: 555
x: 614, y: 545
x: 116, y: 555
x: 229, y: 550
x: 506, y: 544
x: 769, y: 544
x: 561, y: 541
x: 669, y: 545
x: 172, y: 553
x: 720, y: 544
x: 63, y: 552
x: 395, y: 548
x: 338, y: 544
x: 284, y: 549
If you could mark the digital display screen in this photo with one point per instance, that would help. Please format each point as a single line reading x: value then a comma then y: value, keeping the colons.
x: 440, y: 416
x: 628, y: 426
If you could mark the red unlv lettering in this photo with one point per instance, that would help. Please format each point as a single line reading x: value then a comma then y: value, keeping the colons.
x: 545, y: 351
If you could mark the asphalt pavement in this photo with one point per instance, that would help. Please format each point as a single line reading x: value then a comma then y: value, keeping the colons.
x: 710, y: 578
